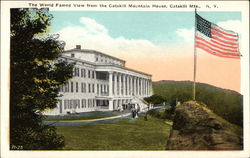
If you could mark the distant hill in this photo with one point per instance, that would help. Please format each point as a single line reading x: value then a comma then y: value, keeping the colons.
x: 191, y: 83
x: 225, y: 103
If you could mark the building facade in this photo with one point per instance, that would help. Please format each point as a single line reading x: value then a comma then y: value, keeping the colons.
x: 100, y: 82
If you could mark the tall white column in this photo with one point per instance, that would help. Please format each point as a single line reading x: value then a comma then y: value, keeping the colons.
x: 120, y: 84
x: 141, y: 85
x: 115, y: 84
x: 147, y: 87
x: 138, y: 87
x: 111, y: 107
x: 123, y: 82
x: 110, y: 83
x: 135, y: 86
x: 150, y: 87
x: 130, y: 86
x: 142, y: 80
x: 127, y: 85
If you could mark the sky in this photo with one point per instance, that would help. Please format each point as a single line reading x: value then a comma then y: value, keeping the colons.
x: 159, y: 43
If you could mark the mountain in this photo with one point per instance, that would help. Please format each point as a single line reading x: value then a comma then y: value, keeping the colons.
x: 226, y: 103
x: 187, y: 82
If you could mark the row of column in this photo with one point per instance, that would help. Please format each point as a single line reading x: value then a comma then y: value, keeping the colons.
x: 128, y: 85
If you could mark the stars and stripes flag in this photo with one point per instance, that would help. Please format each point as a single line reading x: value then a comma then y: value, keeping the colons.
x: 216, y: 40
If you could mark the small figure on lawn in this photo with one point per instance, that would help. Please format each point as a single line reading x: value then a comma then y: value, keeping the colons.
x: 133, y: 111
x: 146, y: 117
x: 137, y: 109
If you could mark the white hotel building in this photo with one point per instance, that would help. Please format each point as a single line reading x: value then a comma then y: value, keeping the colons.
x: 100, y: 82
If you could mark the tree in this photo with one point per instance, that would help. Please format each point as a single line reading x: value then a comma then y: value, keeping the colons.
x: 35, y: 77
x: 154, y: 99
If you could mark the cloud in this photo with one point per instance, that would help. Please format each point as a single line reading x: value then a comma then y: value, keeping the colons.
x: 92, y: 27
x: 92, y: 35
x: 186, y: 34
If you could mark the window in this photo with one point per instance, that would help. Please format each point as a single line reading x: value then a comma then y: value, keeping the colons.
x: 77, y: 72
x: 78, y: 103
x: 82, y: 72
x: 66, y: 104
x: 72, y: 55
x: 83, y: 103
x: 74, y: 103
x: 72, y: 87
x: 61, y: 88
x: 82, y: 88
x: 89, y: 88
x: 89, y: 103
x: 76, y: 86
x: 93, y: 88
x: 93, y: 74
x: 67, y: 87
x: 89, y: 71
x: 70, y: 104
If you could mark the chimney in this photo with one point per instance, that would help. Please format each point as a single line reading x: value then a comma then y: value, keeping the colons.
x: 78, y: 46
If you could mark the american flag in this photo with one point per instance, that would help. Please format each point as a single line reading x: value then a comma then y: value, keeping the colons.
x: 216, y: 40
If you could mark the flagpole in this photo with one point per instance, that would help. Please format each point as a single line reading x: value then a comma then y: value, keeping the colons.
x: 195, y: 57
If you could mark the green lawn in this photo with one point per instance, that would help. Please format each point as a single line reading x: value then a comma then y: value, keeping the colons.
x: 120, y: 135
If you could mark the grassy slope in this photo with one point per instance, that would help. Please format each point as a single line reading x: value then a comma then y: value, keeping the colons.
x: 121, y: 135
x: 225, y: 103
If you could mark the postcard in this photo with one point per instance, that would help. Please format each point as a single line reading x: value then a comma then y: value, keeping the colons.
x: 125, y: 79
